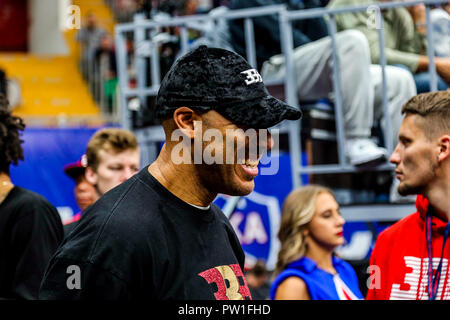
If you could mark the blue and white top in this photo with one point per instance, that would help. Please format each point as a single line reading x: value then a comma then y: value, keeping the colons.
x: 321, y: 284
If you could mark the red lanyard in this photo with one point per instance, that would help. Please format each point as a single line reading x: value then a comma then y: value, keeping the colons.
x: 433, y: 281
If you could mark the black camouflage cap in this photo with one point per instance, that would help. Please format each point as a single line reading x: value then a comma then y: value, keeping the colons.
x: 221, y: 80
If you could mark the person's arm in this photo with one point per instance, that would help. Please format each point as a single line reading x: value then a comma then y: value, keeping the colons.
x: 293, y: 288
x: 363, y: 21
x: 407, y: 53
x: 442, y: 66
x: 418, y: 14
x: 410, y: 24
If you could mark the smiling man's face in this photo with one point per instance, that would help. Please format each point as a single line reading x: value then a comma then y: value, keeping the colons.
x: 239, y: 153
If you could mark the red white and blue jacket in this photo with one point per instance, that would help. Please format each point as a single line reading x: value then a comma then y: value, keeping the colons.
x: 399, y: 261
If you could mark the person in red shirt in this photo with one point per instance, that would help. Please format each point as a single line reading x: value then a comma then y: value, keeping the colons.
x: 399, y: 264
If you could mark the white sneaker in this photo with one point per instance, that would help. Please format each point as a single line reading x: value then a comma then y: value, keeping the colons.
x: 362, y: 151
x: 395, y: 197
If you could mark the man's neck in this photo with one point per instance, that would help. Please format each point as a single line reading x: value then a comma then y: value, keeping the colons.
x: 438, y: 196
x: 5, y: 186
x: 440, y: 200
x: 181, y: 180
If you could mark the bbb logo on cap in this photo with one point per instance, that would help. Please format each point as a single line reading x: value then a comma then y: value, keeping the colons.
x: 252, y: 76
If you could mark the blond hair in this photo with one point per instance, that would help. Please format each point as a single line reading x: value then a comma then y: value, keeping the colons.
x: 298, y: 210
x: 110, y: 139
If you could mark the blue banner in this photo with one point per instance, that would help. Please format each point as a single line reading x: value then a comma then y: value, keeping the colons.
x: 46, y: 152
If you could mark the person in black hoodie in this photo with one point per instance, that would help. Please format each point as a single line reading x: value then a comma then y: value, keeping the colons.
x: 30, y: 227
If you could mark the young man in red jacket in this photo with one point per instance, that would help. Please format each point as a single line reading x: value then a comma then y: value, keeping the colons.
x: 399, y: 262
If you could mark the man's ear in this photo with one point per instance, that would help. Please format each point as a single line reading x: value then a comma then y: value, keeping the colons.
x: 444, y: 147
x: 91, y: 176
x: 184, y: 119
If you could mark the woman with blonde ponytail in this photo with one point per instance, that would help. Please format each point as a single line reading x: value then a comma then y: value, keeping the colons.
x: 311, y: 228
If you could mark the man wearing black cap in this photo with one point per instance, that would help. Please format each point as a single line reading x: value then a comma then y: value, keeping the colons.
x: 158, y: 235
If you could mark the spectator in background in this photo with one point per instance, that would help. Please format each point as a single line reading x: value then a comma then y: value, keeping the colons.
x: 361, y: 82
x: 89, y: 36
x: 84, y: 192
x: 112, y: 158
x: 106, y: 49
x: 105, y: 58
x: 257, y: 280
x: 440, y: 19
x: 30, y: 227
x: 311, y: 228
x: 404, y: 33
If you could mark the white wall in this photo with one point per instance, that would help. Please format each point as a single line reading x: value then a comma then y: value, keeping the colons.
x: 45, y: 35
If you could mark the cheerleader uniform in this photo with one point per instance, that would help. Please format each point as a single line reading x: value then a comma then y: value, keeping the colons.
x: 322, y: 285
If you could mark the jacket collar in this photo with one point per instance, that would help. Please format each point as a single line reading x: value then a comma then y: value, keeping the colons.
x: 422, y: 205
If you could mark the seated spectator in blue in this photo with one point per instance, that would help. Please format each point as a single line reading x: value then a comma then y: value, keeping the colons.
x: 361, y: 82
x: 405, y: 39
x: 311, y: 228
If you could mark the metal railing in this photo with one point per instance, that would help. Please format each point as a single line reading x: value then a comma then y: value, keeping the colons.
x: 95, y: 71
x: 148, y: 48
x: 286, y: 19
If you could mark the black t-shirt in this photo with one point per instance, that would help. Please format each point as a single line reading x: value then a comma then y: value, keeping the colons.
x: 139, y: 241
x: 30, y: 232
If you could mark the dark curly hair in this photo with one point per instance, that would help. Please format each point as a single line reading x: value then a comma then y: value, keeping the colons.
x: 10, y: 143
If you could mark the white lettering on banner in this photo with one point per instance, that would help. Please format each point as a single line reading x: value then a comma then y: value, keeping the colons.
x: 252, y: 76
x: 235, y: 221
x: 412, y: 279
x: 254, y: 230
